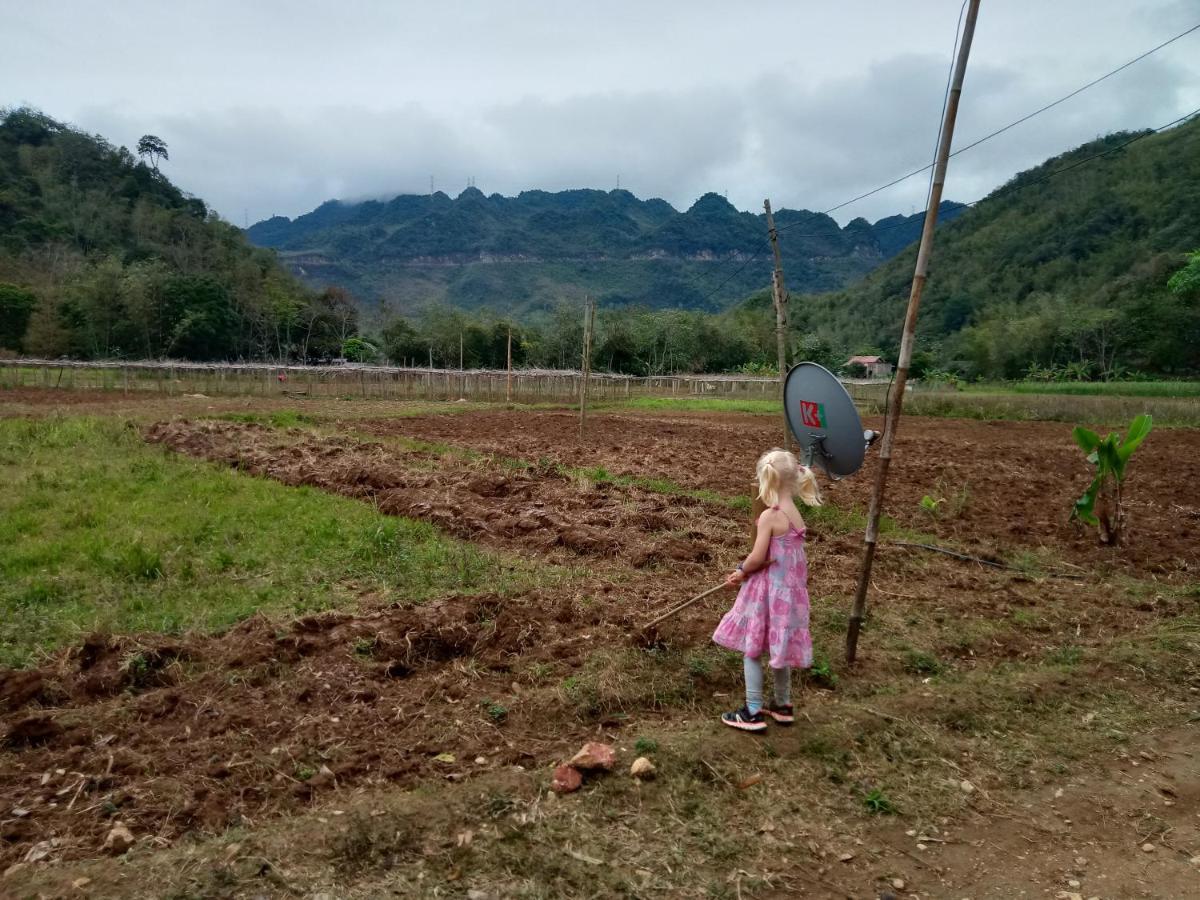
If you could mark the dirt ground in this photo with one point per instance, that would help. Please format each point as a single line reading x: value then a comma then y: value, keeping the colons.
x: 503, y: 506
x: 1003, y: 486
x: 1068, y: 705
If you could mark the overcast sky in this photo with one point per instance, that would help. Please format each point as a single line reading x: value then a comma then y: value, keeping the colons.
x: 271, y: 107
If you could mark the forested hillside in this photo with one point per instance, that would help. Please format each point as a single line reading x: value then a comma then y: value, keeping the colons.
x: 1066, y: 265
x: 526, y: 253
x: 101, y: 256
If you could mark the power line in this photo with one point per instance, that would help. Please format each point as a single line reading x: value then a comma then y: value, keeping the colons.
x: 1076, y: 92
x: 945, y: 99
x: 992, y: 196
x: 1015, y: 123
x: 1075, y: 165
x: 973, y: 144
x: 1024, y: 184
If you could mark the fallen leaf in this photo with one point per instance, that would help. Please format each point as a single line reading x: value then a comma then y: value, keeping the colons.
x: 445, y: 758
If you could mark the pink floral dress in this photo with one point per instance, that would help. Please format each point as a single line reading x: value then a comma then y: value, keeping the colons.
x: 771, y: 610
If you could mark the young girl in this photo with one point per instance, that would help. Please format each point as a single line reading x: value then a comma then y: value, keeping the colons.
x: 770, y: 614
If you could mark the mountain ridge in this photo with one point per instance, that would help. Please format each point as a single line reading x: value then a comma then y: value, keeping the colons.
x: 1065, y: 263
x: 654, y: 255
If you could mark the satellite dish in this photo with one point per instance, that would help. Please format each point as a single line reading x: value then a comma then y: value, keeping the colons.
x: 824, y: 421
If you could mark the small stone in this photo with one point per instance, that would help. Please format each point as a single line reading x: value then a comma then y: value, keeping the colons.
x: 1148, y: 847
x: 846, y: 857
x: 80, y: 883
x: 1195, y: 860
x: 642, y: 768
x: 594, y: 755
x: 898, y: 883
x: 476, y: 894
x: 922, y: 847
x: 1072, y: 883
x: 1081, y: 861
x: 566, y: 780
x: 1068, y: 895
x: 480, y: 760
x: 967, y: 787
x: 119, y: 840
x: 19, y: 813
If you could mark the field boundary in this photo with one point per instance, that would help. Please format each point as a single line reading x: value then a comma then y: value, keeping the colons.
x: 386, y: 382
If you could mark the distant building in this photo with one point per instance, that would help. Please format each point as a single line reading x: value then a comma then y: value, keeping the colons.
x: 876, y: 366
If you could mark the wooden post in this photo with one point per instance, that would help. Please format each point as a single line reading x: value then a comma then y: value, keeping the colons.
x: 779, y: 296
x: 589, y: 322
x: 508, y: 381
x: 910, y: 326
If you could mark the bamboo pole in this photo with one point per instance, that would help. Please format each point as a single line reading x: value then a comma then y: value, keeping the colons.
x: 910, y: 325
x: 508, y: 381
x: 589, y: 322
x: 780, y: 298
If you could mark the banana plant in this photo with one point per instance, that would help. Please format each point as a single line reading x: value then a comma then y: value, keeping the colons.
x: 1100, y: 504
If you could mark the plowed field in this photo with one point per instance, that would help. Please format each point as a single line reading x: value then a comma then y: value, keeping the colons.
x: 192, y: 734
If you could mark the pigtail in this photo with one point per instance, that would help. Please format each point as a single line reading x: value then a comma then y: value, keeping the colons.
x: 807, y: 488
x: 769, y: 480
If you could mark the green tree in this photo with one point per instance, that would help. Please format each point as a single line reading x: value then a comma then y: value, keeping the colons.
x: 358, y: 350
x: 1187, y: 280
x: 203, y: 318
x: 403, y: 345
x: 154, y: 147
x: 16, y: 306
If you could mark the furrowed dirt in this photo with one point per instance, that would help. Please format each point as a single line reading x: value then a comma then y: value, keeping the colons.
x: 171, y: 736
x: 999, y: 486
x: 505, y: 507
x: 188, y: 735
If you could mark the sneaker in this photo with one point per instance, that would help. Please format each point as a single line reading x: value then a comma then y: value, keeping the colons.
x: 744, y: 720
x: 780, y: 713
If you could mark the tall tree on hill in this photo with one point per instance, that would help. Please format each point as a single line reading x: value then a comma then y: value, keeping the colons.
x: 154, y: 147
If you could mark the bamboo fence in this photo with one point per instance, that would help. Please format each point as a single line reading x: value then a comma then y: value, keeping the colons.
x: 384, y: 382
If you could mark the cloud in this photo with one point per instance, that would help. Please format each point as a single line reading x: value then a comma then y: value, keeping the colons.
x: 672, y: 114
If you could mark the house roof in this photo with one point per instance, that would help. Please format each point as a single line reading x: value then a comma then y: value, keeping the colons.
x: 864, y: 360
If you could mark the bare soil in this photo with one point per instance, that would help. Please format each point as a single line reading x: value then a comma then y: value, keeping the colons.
x: 190, y: 735
x: 1004, y: 486
x: 530, y: 509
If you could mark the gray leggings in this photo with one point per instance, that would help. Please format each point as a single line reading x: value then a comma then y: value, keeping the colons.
x: 754, y: 684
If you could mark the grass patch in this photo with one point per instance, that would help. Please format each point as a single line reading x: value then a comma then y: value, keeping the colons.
x: 282, y: 418
x: 99, y: 530
x: 1101, y: 388
x: 918, y: 662
x: 1101, y: 409
x: 697, y: 404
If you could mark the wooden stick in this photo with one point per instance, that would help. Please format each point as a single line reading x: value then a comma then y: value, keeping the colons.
x: 780, y: 298
x: 508, y: 383
x: 682, y: 606
x: 920, y: 273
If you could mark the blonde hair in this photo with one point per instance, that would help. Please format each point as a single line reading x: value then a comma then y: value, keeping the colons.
x: 780, y: 474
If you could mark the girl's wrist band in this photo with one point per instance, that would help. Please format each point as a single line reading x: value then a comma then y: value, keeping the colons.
x: 741, y: 567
